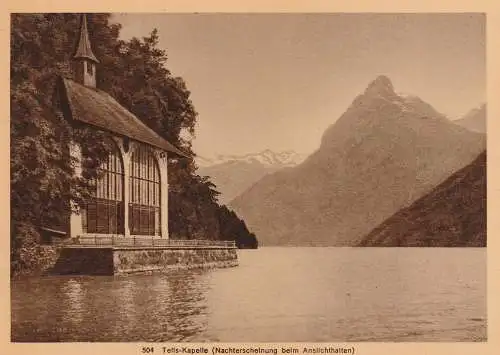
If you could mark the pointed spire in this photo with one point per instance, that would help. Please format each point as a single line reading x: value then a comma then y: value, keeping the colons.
x: 84, y: 49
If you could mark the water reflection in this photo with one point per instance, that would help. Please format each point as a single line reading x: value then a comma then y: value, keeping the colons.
x: 180, y: 304
x: 73, y: 298
x: 276, y: 294
x: 122, y: 302
x: 170, y: 307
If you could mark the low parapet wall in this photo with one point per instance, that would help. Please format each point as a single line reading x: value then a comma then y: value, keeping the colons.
x: 127, y: 260
x: 132, y: 260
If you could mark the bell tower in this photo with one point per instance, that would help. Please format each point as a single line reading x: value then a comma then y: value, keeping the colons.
x: 84, y: 60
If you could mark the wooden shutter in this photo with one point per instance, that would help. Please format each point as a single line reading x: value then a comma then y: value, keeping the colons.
x: 91, y: 217
x: 102, y: 217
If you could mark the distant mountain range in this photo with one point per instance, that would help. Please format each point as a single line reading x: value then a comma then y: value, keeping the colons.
x: 452, y: 214
x: 382, y: 154
x: 265, y: 157
x: 233, y: 174
x: 474, y: 120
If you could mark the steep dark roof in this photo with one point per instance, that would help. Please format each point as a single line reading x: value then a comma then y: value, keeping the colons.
x: 97, y: 108
x: 84, y: 50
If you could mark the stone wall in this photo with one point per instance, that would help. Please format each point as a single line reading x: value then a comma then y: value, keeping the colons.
x: 84, y: 261
x: 154, y: 259
x: 115, y: 261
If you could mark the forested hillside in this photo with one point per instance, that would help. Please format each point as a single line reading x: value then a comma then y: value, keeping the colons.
x: 452, y: 215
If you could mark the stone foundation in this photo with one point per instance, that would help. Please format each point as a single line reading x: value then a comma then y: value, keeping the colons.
x: 116, y: 261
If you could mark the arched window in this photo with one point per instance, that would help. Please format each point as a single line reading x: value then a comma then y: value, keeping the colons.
x: 104, y: 213
x: 144, y: 192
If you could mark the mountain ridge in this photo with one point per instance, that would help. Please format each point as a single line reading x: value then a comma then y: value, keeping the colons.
x: 266, y: 156
x: 384, y: 152
x: 233, y: 174
x: 453, y: 214
x: 474, y: 120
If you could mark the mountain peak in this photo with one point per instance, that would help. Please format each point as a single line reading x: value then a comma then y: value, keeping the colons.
x: 381, y: 86
x: 480, y: 108
x: 474, y: 120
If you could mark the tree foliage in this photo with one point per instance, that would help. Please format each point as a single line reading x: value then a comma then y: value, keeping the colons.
x: 43, y: 182
x: 234, y: 227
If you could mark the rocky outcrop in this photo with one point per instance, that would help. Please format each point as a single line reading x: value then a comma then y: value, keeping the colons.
x: 382, y: 154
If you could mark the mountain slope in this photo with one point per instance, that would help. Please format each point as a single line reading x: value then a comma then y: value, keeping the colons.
x: 383, y: 153
x: 474, y: 120
x: 233, y: 174
x: 452, y: 214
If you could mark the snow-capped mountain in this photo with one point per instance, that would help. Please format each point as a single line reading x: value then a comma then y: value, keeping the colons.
x: 265, y: 157
x: 414, y: 104
x: 233, y: 174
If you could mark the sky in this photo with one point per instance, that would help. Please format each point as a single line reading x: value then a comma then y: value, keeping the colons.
x: 277, y: 81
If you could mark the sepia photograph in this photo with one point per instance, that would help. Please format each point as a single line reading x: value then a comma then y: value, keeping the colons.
x: 248, y: 178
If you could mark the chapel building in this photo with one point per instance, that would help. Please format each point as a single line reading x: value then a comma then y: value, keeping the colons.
x: 131, y: 197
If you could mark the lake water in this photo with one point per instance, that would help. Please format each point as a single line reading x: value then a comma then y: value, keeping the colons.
x: 275, y: 295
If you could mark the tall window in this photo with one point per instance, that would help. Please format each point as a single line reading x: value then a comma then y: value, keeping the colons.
x: 144, y: 189
x: 104, y: 213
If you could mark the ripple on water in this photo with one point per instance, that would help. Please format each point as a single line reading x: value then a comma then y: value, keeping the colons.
x: 276, y: 294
